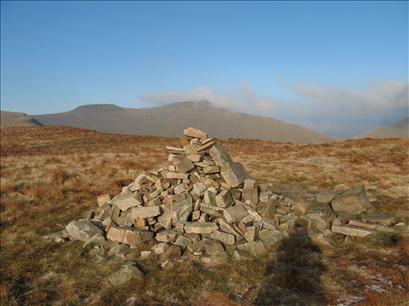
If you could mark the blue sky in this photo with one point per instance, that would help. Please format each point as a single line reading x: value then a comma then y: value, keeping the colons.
x: 337, y: 67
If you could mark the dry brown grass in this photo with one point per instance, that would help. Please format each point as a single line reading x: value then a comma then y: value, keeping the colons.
x: 50, y: 175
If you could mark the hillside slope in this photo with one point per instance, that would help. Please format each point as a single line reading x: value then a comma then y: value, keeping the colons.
x: 17, y: 119
x: 398, y: 130
x: 170, y: 120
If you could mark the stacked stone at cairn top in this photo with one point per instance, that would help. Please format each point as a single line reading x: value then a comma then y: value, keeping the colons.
x: 202, y: 204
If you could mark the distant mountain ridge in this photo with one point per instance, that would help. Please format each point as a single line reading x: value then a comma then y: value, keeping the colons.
x: 399, y: 129
x: 17, y: 119
x: 171, y: 119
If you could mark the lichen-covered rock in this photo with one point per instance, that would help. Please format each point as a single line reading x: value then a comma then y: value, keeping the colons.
x: 82, y: 230
x: 126, y: 273
x: 354, y: 201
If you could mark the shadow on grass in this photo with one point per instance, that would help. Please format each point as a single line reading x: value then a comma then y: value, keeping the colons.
x: 293, y: 277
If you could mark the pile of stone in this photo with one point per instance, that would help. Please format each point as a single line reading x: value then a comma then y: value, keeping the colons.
x: 204, y: 205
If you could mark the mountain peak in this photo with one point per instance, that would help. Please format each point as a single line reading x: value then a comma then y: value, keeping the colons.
x: 99, y: 107
x: 195, y: 104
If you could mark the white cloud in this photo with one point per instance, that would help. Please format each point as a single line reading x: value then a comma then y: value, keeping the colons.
x: 335, y: 111
x: 377, y: 97
x: 244, y: 99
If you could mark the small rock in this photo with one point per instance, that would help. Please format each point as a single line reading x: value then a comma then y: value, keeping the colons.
x: 96, y: 240
x: 116, y: 234
x: 194, y: 157
x: 166, y: 236
x: 224, y: 199
x: 325, y: 197
x: 210, y: 198
x: 196, y: 215
x: 205, y: 147
x: 136, y: 236
x: 234, y: 213
x: 247, y: 220
x: 182, y: 241
x: 212, y: 247
x: 82, y: 230
x: 180, y: 188
x: 211, y: 169
x: 103, y: 199
x: 199, y: 188
x: 270, y: 237
x: 300, y: 208
x: 125, y: 274
x: 160, y: 248
x: 145, y: 254
x: 250, y: 192
x: 250, y: 233
x: 58, y: 237
x: 173, y: 252
x: 317, y: 223
x: 119, y: 250
x: 241, y: 255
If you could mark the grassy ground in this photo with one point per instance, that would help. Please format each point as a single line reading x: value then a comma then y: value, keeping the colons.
x: 51, y: 175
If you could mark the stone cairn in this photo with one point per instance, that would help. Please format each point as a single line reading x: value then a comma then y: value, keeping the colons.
x: 204, y: 206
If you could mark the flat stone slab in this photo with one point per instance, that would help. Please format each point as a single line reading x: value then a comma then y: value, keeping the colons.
x: 350, y: 230
x: 176, y: 175
x: 183, y: 165
x: 200, y: 228
x: 254, y: 249
x: 223, y: 237
x: 384, y: 219
x: 145, y: 212
x: 376, y: 227
x: 211, y: 169
x: 194, y: 133
x: 125, y: 201
x: 175, y: 150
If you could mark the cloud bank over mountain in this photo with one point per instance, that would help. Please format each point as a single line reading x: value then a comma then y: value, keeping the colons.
x: 340, y: 112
